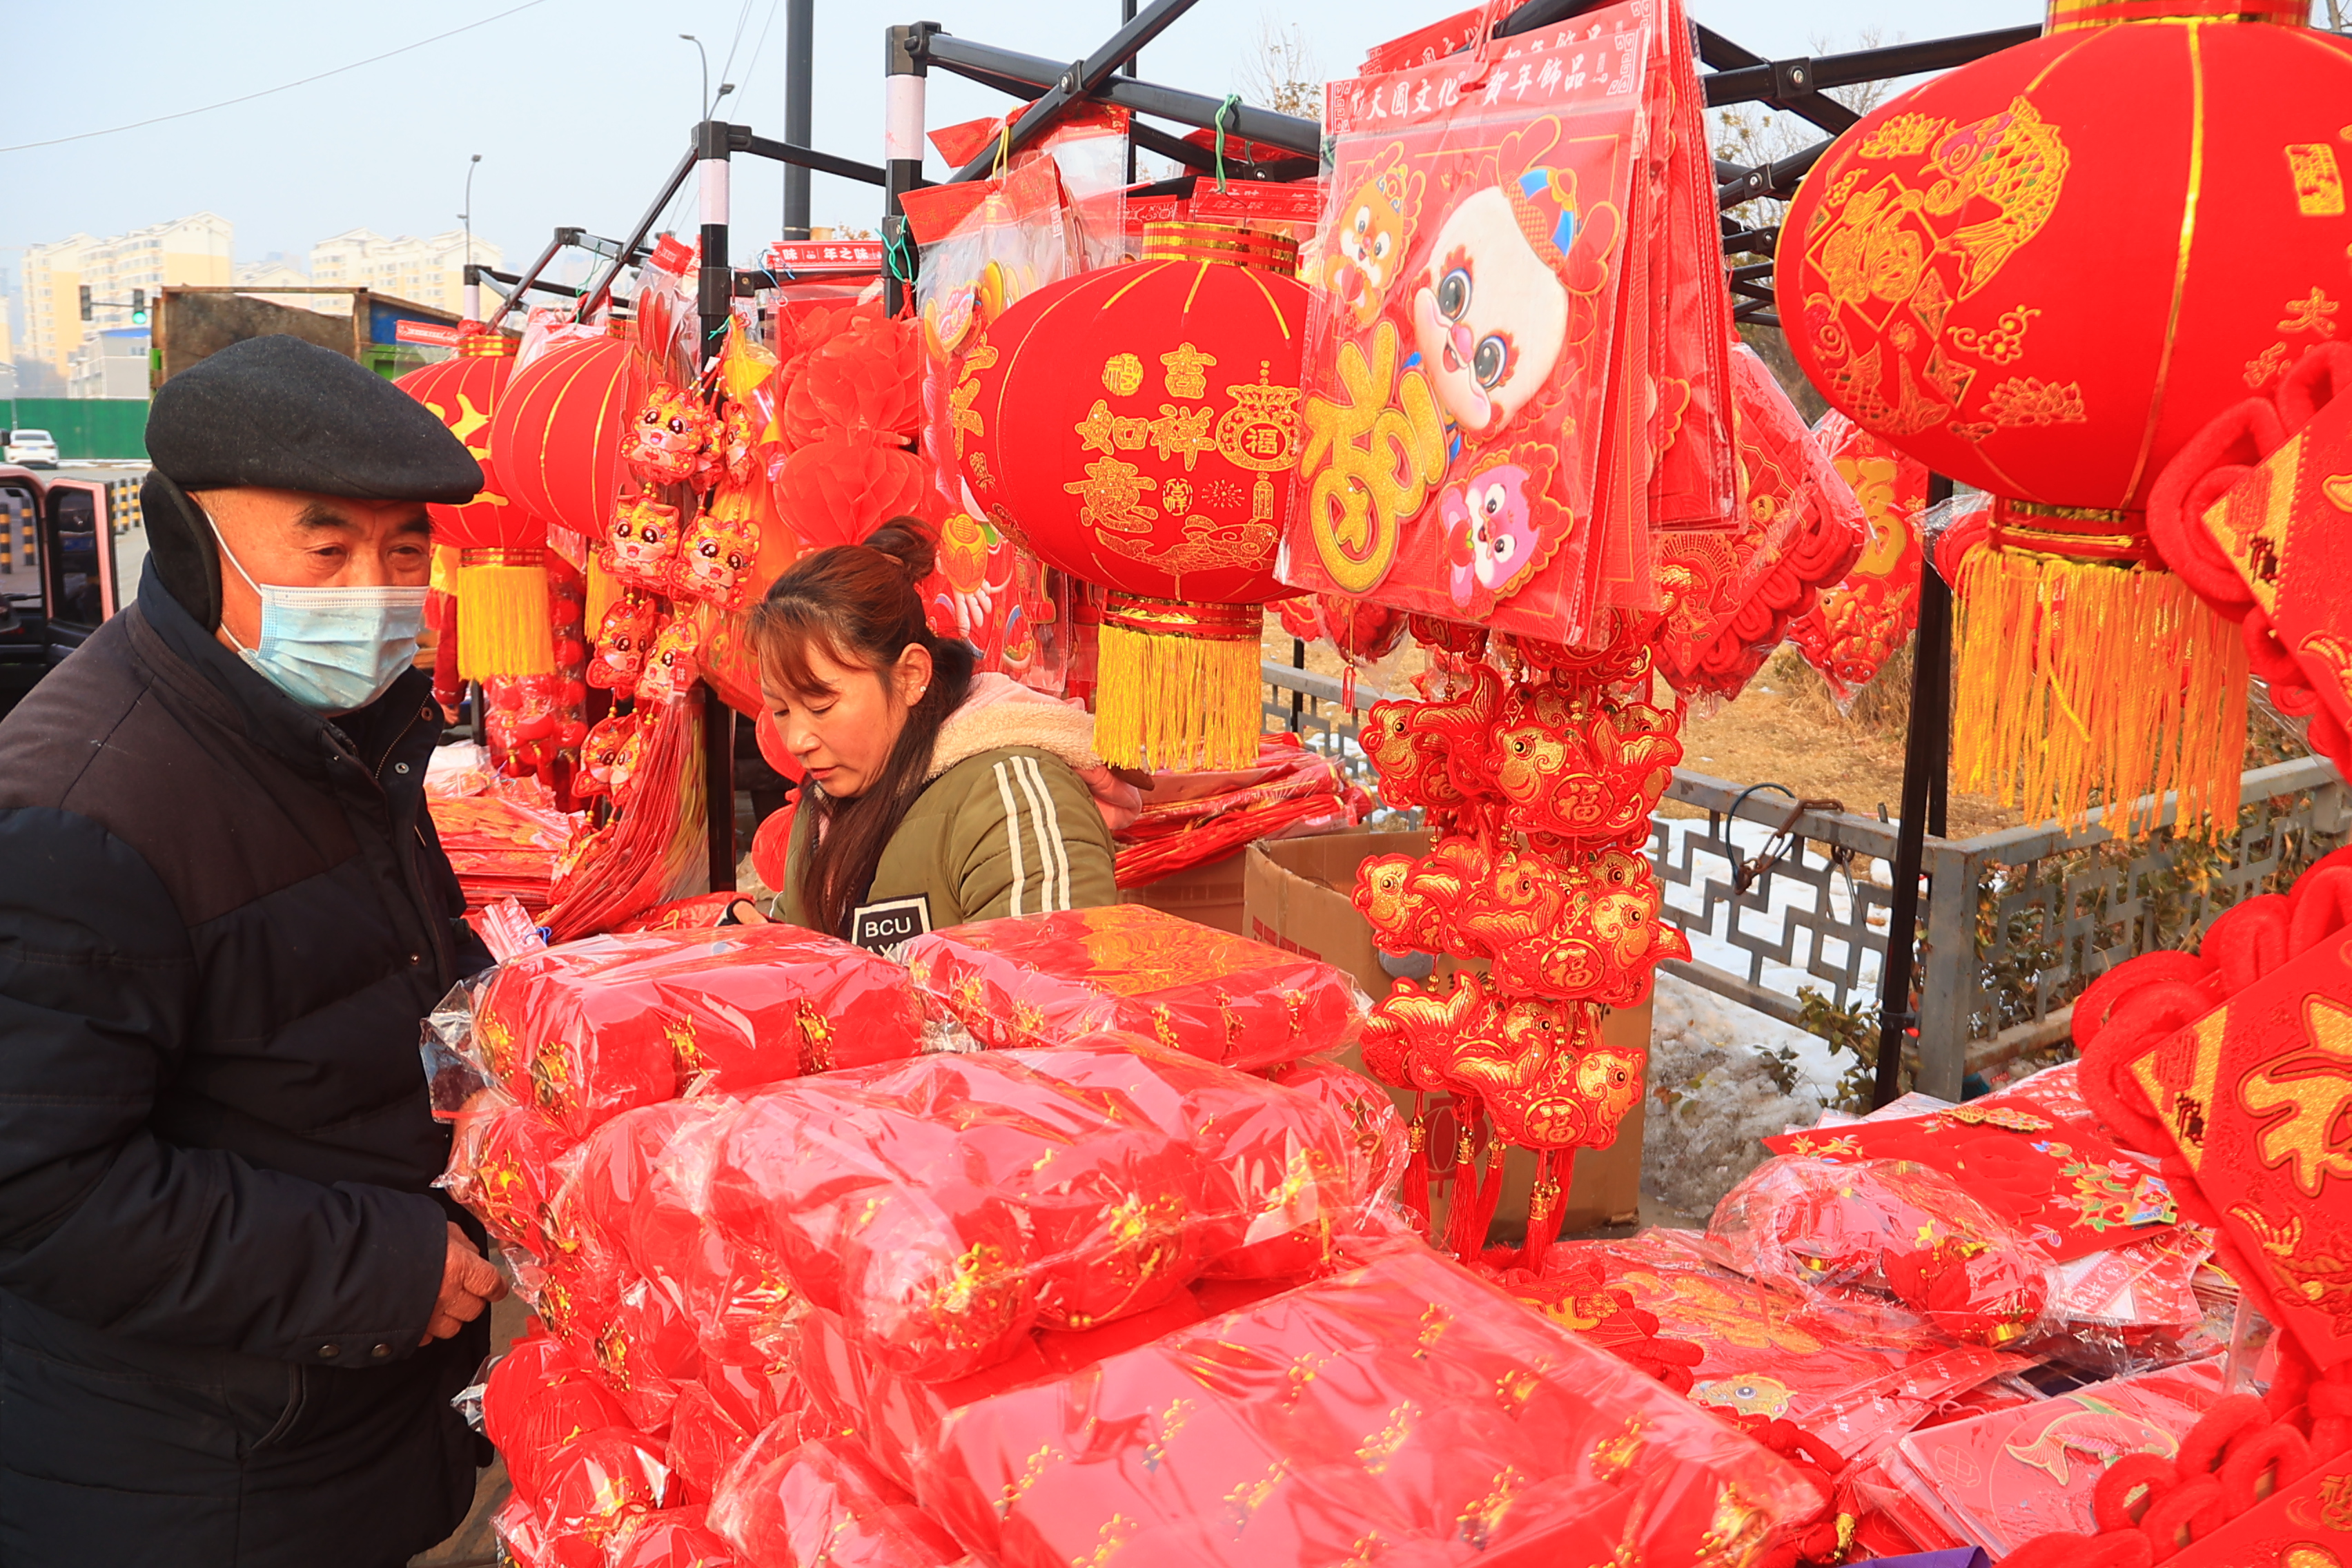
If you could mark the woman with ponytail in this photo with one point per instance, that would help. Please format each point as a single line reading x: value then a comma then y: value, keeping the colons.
x: 935, y: 796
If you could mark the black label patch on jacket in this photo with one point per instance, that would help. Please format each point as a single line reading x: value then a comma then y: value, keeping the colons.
x: 880, y: 927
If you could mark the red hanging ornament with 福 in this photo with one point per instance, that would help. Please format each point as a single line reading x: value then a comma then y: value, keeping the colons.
x: 1138, y: 426
x: 2042, y: 273
x: 500, y: 583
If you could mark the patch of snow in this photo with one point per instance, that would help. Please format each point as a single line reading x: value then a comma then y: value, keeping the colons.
x: 1714, y: 1098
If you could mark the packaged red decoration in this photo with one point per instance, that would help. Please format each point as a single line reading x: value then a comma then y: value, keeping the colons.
x: 1456, y: 463
x: 641, y: 543
x: 671, y: 1538
x: 591, y: 1028
x: 593, y: 1490
x: 823, y: 1504
x: 1855, y: 1369
x: 1405, y: 1404
x: 1047, y: 979
x: 2070, y: 1190
x: 539, y: 1397
x: 667, y: 441
x: 944, y: 1208
x: 1888, y: 1224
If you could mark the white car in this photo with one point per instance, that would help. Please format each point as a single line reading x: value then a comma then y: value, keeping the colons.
x: 33, y: 448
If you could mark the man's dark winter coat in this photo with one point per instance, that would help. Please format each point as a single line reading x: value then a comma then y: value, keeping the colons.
x: 221, y: 920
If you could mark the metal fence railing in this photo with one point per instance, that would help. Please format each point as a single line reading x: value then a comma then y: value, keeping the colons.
x: 2014, y: 924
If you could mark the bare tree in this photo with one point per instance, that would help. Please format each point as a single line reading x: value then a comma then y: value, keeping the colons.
x: 1750, y: 134
x: 1281, y: 74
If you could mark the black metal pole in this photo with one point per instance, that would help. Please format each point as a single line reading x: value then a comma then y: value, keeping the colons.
x: 1127, y: 14
x: 715, y: 299
x: 905, y: 69
x: 1926, y: 754
x: 800, y: 64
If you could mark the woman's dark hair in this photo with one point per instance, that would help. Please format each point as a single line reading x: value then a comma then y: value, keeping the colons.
x: 859, y: 604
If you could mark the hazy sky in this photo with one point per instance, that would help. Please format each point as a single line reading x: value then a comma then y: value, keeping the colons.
x: 579, y: 107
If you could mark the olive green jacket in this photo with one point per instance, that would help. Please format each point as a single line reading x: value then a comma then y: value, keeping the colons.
x: 1005, y: 826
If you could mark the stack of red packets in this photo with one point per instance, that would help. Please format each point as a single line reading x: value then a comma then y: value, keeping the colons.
x: 806, y: 1296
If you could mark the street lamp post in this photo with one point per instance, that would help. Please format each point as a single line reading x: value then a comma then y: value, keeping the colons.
x: 473, y: 288
x: 698, y: 49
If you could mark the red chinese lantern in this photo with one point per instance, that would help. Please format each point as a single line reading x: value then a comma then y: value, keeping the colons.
x: 1138, y: 426
x: 557, y: 432
x: 2041, y: 274
x: 500, y: 582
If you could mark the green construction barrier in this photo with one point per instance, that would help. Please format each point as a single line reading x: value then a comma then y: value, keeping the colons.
x: 85, y: 428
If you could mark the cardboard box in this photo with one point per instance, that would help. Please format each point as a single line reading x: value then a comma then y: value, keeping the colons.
x: 1296, y: 896
x: 1210, y: 894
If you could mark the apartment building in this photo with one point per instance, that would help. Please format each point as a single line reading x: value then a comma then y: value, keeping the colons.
x: 190, y: 250
x: 429, y: 271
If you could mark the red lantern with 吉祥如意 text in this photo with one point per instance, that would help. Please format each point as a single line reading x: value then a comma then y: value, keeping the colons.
x: 1138, y: 426
x: 500, y: 583
x: 2042, y: 273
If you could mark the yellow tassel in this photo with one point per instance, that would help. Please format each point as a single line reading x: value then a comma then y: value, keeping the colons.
x: 502, y: 622
x: 1176, y: 703
x: 603, y: 593
x: 2084, y: 683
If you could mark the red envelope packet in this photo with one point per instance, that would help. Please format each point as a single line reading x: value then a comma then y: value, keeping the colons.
x: 2000, y: 1481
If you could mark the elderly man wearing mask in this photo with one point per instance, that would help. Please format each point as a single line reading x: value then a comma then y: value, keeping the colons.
x: 233, y: 1311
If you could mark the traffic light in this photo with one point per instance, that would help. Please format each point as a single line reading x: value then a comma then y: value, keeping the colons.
x: 85, y: 301
x: 139, y: 307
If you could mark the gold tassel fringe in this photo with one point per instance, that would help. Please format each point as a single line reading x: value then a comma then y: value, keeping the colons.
x: 2080, y: 679
x: 502, y: 622
x: 1176, y: 703
x: 603, y: 592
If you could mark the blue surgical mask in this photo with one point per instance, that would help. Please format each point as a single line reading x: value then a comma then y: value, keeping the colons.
x: 333, y: 650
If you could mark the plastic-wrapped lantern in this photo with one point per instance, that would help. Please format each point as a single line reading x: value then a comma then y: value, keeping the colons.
x: 1138, y: 426
x: 2042, y: 273
x: 500, y: 582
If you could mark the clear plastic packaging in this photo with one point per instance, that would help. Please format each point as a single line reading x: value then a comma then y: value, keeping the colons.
x: 1045, y: 980
x: 1854, y: 1369
x: 1890, y: 1226
x: 537, y: 1398
x: 672, y: 1538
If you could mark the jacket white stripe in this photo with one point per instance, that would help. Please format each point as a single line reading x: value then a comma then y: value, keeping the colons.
x: 1053, y: 854
x: 1023, y: 768
x: 1012, y: 837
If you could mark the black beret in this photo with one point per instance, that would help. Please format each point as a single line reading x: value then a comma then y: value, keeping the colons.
x: 282, y: 414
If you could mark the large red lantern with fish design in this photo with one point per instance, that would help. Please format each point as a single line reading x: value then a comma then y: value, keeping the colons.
x: 500, y: 582
x: 1138, y: 426
x: 2042, y: 273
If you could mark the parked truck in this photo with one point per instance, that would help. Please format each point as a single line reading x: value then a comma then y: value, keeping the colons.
x: 389, y: 336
